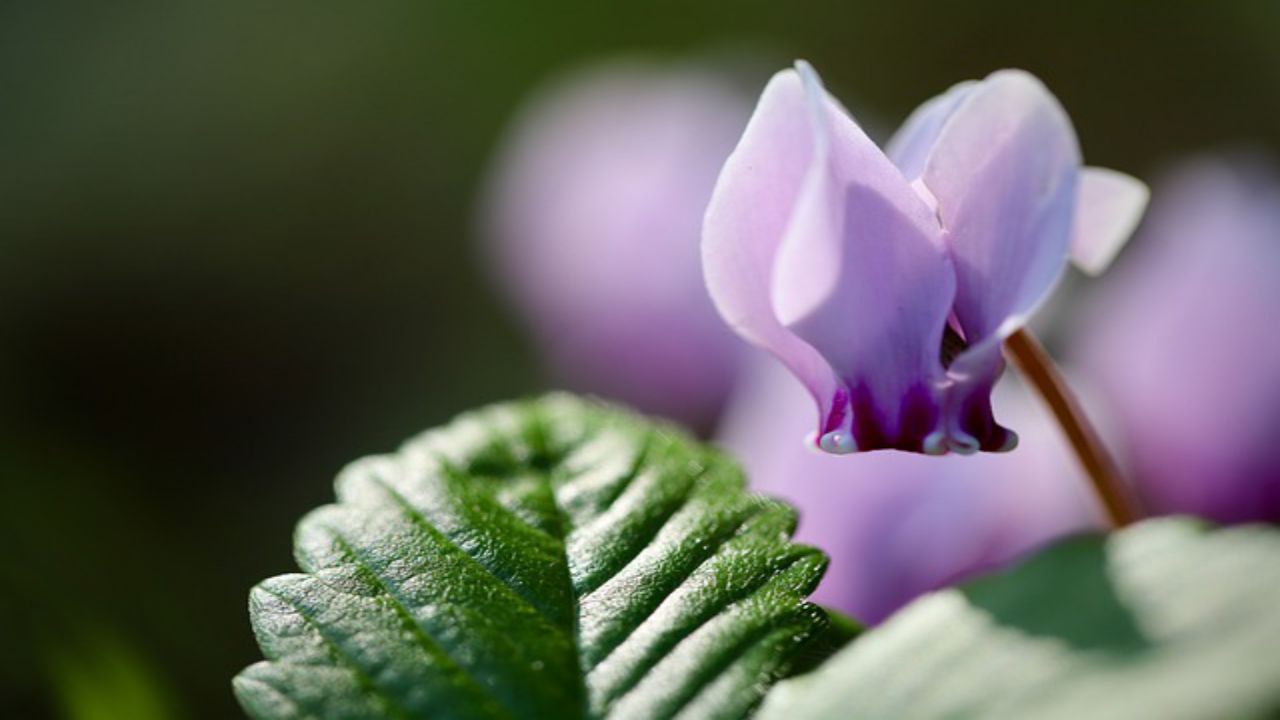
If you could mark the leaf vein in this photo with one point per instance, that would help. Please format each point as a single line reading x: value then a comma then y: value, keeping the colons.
x: 366, y: 683
x: 422, y: 522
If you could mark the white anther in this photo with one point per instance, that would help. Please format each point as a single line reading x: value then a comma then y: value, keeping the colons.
x: 964, y: 444
x: 838, y: 442
x: 935, y: 443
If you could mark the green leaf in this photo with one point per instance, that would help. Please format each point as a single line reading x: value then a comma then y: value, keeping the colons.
x: 550, y: 559
x: 1167, y: 619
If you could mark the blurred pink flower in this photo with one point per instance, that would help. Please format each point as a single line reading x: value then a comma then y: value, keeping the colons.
x: 1181, y: 342
x: 849, y: 263
x: 594, y: 215
x: 897, y: 525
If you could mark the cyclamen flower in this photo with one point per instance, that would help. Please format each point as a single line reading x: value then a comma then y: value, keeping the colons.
x: 594, y: 219
x: 851, y: 264
x: 1181, y: 344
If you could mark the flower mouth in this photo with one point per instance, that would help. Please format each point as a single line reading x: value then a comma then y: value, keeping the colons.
x: 860, y: 420
x: 952, y: 345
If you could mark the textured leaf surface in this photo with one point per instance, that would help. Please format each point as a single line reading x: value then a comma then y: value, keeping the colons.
x: 1167, y: 619
x: 550, y: 559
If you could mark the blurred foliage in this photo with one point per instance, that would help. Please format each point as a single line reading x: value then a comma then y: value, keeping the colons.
x: 101, y: 678
x: 236, y: 247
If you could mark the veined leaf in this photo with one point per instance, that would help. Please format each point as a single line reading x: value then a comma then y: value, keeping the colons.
x: 1167, y: 619
x: 549, y: 559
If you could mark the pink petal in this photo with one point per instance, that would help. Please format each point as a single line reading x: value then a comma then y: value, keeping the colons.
x: 862, y: 277
x: 746, y: 222
x: 1003, y: 172
x: 1109, y: 207
x: 909, y: 148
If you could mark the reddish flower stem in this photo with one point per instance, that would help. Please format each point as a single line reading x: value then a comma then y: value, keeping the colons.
x: 1033, y: 362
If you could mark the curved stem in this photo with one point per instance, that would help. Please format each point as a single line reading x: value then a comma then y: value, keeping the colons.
x: 1033, y: 362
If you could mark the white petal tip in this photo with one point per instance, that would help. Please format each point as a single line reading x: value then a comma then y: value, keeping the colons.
x: 838, y: 442
x: 964, y: 444
x: 805, y: 69
x: 935, y: 443
x: 815, y: 95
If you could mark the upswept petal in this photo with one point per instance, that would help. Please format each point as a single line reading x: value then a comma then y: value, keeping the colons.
x: 1109, y: 207
x: 910, y: 146
x: 746, y: 221
x: 1003, y: 172
x: 862, y: 276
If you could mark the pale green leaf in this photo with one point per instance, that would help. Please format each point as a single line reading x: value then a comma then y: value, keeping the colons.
x: 1167, y: 619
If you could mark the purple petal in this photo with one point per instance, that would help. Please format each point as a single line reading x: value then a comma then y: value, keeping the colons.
x: 1109, y: 207
x: 747, y: 220
x: 862, y: 276
x: 969, y: 424
x: 909, y: 148
x: 1003, y: 172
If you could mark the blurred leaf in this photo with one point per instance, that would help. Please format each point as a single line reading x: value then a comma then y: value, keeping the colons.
x: 555, y: 558
x: 1165, y: 619
x: 102, y: 678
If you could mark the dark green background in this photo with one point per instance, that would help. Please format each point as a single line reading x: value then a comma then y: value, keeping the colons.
x: 236, y: 251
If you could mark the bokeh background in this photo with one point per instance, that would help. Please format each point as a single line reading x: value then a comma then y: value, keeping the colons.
x: 238, y: 249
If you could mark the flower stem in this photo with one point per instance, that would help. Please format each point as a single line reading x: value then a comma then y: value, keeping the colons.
x: 1033, y: 362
